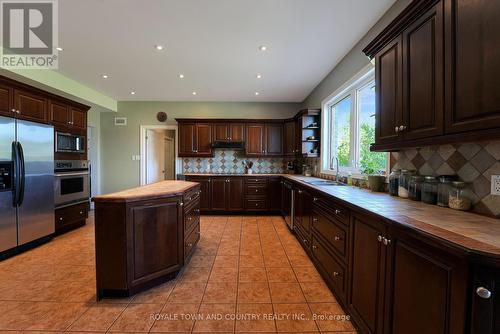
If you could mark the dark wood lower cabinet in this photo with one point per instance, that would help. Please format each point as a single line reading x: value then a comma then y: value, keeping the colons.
x: 218, y: 193
x: 235, y: 200
x: 71, y: 217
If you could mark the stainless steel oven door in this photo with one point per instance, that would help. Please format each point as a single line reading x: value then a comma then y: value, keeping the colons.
x: 71, y: 187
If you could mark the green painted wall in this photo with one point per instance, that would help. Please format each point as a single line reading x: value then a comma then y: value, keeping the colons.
x: 119, y: 143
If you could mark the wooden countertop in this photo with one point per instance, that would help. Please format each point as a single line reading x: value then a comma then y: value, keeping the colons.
x: 468, y: 231
x: 157, y: 190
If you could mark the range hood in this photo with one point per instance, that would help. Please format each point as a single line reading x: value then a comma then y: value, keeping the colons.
x: 235, y: 145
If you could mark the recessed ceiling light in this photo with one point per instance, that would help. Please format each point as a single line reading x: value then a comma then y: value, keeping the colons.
x: 59, y: 48
x: 259, y: 76
x: 105, y: 76
x: 257, y: 93
x: 159, y: 47
x: 132, y: 93
x: 194, y: 93
x: 181, y: 76
x: 262, y: 48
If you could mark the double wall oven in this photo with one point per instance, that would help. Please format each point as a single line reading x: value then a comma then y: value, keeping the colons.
x: 72, y: 182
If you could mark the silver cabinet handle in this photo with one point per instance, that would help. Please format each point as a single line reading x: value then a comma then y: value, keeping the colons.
x: 190, y: 244
x: 336, y: 238
x: 396, y: 129
x: 300, y: 191
x: 17, y: 111
x: 60, y: 219
x: 315, y: 220
x: 483, y: 292
x: 336, y: 273
x: 401, y: 127
x: 337, y: 211
x: 387, y: 242
x: 315, y: 199
x: 81, y: 212
x: 181, y: 203
x: 190, y: 218
x: 380, y: 238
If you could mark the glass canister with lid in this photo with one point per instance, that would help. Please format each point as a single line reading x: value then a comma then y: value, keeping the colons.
x: 444, y: 187
x: 459, y: 198
x: 394, y: 182
x: 429, y: 190
x: 404, y: 182
x: 415, y: 187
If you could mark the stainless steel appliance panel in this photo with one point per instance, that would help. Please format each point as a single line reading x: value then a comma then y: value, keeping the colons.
x: 36, y: 209
x: 8, y: 229
x: 67, y: 142
x: 71, y: 187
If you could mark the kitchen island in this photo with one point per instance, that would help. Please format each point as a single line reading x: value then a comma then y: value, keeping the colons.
x: 144, y: 235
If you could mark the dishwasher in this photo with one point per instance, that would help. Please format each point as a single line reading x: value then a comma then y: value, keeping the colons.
x: 288, y: 205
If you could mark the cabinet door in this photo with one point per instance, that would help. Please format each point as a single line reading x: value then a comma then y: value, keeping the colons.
x: 472, y: 65
x: 59, y: 113
x: 236, y: 131
x: 157, y: 239
x: 78, y: 118
x: 255, y: 142
x: 274, y: 193
x: 218, y: 193
x: 6, y: 104
x: 186, y: 139
x: 235, y: 196
x: 485, y: 318
x: 205, y: 191
x: 221, y: 132
x: 388, y: 82
x: 423, y: 85
x: 31, y: 107
x: 274, y: 139
x: 289, y: 138
x: 367, y: 273
x: 204, y: 139
x: 426, y: 288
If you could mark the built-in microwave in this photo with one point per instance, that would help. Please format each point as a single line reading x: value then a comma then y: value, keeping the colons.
x: 67, y: 142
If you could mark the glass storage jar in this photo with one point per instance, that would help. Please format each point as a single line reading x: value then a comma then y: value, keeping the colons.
x: 459, y: 198
x: 444, y: 187
x: 394, y: 182
x: 404, y: 181
x: 429, y: 190
x: 415, y: 187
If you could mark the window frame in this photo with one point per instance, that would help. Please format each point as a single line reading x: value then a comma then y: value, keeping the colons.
x: 351, y: 88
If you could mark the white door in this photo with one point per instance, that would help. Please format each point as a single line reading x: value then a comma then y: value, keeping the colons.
x: 169, y: 158
x: 155, y: 156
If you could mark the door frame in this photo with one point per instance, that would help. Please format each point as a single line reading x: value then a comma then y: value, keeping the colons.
x: 142, y: 150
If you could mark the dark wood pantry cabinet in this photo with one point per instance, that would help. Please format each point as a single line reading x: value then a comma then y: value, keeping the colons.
x: 436, y: 73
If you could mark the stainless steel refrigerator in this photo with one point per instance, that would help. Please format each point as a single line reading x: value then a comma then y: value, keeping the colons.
x: 27, y: 204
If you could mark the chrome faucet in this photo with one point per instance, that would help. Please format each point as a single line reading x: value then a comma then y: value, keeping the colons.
x: 337, y: 167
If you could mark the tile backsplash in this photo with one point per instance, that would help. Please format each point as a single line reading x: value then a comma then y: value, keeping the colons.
x: 230, y: 161
x: 474, y: 163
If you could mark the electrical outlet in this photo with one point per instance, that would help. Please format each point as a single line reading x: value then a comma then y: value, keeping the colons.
x: 495, y: 185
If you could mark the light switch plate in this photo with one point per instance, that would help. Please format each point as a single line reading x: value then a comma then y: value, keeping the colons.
x: 495, y: 185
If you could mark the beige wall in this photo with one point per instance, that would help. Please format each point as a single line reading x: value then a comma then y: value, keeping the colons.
x: 119, y: 143
x: 353, y: 62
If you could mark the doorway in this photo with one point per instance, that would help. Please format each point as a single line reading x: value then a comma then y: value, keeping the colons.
x: 158, y: 154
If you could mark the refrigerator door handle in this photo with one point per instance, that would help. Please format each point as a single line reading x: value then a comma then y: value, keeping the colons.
x: 22, y: 173
x: 16, y: 186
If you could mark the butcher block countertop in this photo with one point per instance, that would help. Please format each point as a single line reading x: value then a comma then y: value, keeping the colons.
x: 157, y: 190
x: 469, y: 231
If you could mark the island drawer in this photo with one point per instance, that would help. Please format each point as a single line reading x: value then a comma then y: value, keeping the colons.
x: 191, y: 196
x: 334, y: 234
x: 190, y: 241
x: 191, y: 218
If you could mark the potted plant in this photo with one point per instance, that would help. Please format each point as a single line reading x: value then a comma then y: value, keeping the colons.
x: 375, y: 180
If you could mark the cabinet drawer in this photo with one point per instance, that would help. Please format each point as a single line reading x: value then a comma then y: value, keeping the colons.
x: 332, y: 270
x: 333, y: 233
x: 190, y: 241
x: 333, y: 209
x: 71, y: 214
x: 255, y: 204
x: 303, y: 238
x: 191, y: 197
x: 191, y: 217
x: 255, y: 189
x: 256, y: 180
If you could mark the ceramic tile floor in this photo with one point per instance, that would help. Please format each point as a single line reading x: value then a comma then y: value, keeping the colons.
x: 248, y: 275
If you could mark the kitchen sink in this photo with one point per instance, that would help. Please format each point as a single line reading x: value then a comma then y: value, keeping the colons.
x: 324, y: 183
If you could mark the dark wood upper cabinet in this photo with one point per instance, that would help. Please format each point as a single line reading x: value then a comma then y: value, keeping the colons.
x: 235, y: 191
x: 6, y: 100
x: 78, y: 118
x: 388, y: 82
x: 31, y: 107
x: 187, y: 139
x: 204, y: 139
x: 221, y: 131
x: 255, y: 139
x: 289, y: 143
x: 423, y: 71
x: 59, y: 113
x: 472, y: 65
x: 236, y: 131
x: 367, y: 273
x: 274, y: 139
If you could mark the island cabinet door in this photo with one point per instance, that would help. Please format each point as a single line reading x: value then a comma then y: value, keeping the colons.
x: 426, y: 288
x: 155, y: 233
x: 366, y: 291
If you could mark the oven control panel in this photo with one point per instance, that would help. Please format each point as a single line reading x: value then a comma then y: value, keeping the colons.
x: 6, y: 176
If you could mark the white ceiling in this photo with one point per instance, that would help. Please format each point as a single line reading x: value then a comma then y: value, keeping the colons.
x: 214, y: 43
